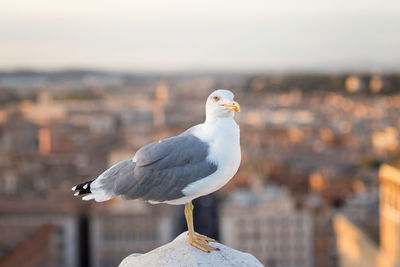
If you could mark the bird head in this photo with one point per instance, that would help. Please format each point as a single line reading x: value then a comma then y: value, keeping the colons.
x: 220, y: 104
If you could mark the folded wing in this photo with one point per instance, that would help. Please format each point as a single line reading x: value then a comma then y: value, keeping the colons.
x: 158, y: 172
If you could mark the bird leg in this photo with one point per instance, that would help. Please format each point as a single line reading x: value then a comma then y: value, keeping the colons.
x: 196, y: 240
x: 199, y: 236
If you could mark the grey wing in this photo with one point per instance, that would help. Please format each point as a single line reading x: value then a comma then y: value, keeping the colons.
x: 114, y: 181
x: 163, y: 169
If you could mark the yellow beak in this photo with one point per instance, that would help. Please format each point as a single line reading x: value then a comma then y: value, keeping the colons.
x: 233, y: 105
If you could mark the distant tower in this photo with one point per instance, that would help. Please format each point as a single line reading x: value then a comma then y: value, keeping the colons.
x: 44, y: 98
x: 390, y: 211
x: 161, y: 98
x: 43, y: 113
x: 44, y: 137
x: 353, y: 84
x: 376, y: 84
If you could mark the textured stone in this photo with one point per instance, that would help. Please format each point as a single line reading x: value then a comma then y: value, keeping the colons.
x: 180, y: 253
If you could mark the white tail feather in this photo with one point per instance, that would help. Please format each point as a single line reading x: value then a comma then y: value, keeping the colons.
x: 98, y: 196
x: 89, y: 197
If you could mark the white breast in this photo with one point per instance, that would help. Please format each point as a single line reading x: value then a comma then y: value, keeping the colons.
x: 223, y: 135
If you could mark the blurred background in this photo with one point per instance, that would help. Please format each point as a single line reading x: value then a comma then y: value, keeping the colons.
x: 84, y: 84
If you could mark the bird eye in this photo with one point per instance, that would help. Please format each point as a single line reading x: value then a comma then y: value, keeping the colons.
x: 215, y: 98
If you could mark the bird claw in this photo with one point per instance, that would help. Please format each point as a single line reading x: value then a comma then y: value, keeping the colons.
x: 202, y: 244
x: 204, y: 238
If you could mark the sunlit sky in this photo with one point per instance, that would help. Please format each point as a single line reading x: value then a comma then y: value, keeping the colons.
x: 171, y: 35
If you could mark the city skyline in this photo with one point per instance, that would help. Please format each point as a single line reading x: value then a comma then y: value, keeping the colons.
x: 311, y: 148
x: 180, y: 36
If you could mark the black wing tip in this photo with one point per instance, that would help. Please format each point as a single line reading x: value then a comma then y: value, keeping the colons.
x: 83, y: 188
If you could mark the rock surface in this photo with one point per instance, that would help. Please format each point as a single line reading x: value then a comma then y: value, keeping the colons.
x: 180, y: 253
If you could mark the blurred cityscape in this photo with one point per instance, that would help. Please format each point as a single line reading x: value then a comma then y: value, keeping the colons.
x: 318, y: 183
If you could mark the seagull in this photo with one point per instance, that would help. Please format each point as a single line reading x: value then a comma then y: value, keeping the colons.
x: 178, y: 169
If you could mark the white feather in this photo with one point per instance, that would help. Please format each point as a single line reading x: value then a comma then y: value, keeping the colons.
x: 98, y: 196
x: 89, y: 197
x: 223, y: 136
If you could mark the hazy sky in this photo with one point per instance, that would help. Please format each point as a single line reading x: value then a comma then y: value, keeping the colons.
x: 192, y: 35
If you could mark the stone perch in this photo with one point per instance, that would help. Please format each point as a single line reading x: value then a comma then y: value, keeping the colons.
x: 180, y: 253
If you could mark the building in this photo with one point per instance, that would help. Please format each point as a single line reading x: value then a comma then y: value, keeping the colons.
x: 40, y: 239
x: 123, y: 227
x: 390, y: 211
x: 355, y: 248
x: 268, y: 226
x: 33, y: 251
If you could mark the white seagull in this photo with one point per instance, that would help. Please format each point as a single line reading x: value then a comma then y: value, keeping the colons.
x: 179, y: 169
